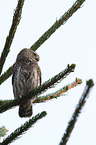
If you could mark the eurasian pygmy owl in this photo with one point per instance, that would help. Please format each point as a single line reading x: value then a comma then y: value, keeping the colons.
x: 26, y: 77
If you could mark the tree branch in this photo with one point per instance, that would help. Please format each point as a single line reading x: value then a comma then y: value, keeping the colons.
x: 9, y: 39
x: 6, y: 74
x: 58, y: 93
x: 81, y: 103
x: 19, y: 131
x: 48, y: 84
x: 42, y: 99
x: 53, y: 28
x: 57, y: 24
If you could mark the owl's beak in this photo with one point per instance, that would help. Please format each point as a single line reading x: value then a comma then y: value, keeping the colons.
x: 37, y: 59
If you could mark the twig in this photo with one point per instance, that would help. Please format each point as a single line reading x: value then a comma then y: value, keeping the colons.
x: 9, y: 39
x: 57, y: 93
x: 48, y: 96
x: 19, y: 131
x: 82, y: 101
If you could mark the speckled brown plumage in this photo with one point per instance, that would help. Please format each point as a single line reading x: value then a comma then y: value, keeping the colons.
x: 26, y: 77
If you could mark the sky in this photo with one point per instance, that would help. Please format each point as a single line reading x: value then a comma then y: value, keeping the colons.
x: 73, y: 42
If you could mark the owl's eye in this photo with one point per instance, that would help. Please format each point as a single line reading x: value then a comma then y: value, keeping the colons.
x: 36, y: 56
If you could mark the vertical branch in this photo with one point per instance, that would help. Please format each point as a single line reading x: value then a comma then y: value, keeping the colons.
x: 9, y: 39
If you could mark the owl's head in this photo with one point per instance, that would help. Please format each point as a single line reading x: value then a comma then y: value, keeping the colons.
x: 27, y: 54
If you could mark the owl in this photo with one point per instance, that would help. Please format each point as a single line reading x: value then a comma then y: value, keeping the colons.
x: 26, y: 77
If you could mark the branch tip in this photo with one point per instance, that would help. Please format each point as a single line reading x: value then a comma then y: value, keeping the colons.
x: 79, y: 81
x: 90, y: 83
x: 73, y: 66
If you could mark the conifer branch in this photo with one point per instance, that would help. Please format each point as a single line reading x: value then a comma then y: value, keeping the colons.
x: 8, y: 104
x: 80, y: 105
x: 57, y: 24
x: 19, y: 131
x: 3, y: 131
x: 58, y: 93
x: 52, y: 82
x: 9, y: 39
x: 48, y: 84
x: 48, y: 96
x: 52, y: 29
x: 6, y: 74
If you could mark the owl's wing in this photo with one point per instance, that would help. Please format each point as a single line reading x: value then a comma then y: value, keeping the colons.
x: 12, y: 78
x: 15, y: 68
x: 13, y: 74
x: 40, y: 78
x: 39, y: 75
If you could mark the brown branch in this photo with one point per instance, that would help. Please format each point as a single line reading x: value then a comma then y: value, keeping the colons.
x: 9, y: 39
x: 48, y: 96
x: 57, y: 93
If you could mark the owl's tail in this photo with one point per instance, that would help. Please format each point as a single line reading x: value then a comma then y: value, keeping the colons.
x: 25, y: 109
